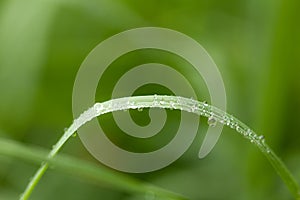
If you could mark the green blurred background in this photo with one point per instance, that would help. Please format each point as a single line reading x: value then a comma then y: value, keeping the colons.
x: 255, y: 44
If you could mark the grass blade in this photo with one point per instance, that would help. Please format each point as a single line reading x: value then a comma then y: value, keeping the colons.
x: 171, y: 102
x: 81, y: 168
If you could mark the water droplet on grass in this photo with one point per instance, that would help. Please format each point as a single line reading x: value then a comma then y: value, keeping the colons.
x: 232, y: 125
x: 172, y: 105
x: 240, y: 130
x: 212, y: 122
x: 99, y: 108
x: 248, y: 132
x: 261, y: 137
x: 162, y: 102
x: 155, y: 101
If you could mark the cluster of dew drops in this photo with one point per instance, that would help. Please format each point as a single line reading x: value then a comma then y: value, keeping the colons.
x: 213, y: 114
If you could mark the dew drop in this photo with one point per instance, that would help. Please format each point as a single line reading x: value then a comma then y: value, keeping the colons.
x: 132, y: 105
x: 155, y: 101
x: 99, y: 108
x: 74, y: 134
x: 172, y: 105
x: 232, y: 125
x: 238, y: 129
x: 261, y: 137
x: 212, y: 122
x: 178, y: 100
x: 192, y: 109
x: 251, y: 134
x: 226, y: 120
x: 140, y: 109
x: 248, y: 132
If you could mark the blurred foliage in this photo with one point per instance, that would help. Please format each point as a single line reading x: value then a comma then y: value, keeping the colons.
x: 256, y: 45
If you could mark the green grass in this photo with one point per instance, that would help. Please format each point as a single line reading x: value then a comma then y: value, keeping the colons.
x: 254, y: 44
x: 140, y: 102
x: 77, y: 167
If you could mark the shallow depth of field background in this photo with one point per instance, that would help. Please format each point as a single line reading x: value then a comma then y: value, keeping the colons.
x: 255, y: 44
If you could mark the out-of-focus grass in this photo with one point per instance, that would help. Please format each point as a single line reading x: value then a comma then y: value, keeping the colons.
x: 254, y: 43
x: 280, y: 102
x: 84, y: 169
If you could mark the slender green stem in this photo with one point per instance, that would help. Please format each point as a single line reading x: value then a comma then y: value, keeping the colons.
x: 170, y: 102
x: 84, y: 169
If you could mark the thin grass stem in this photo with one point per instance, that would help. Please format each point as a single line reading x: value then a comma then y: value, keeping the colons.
x: 170, y: 102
